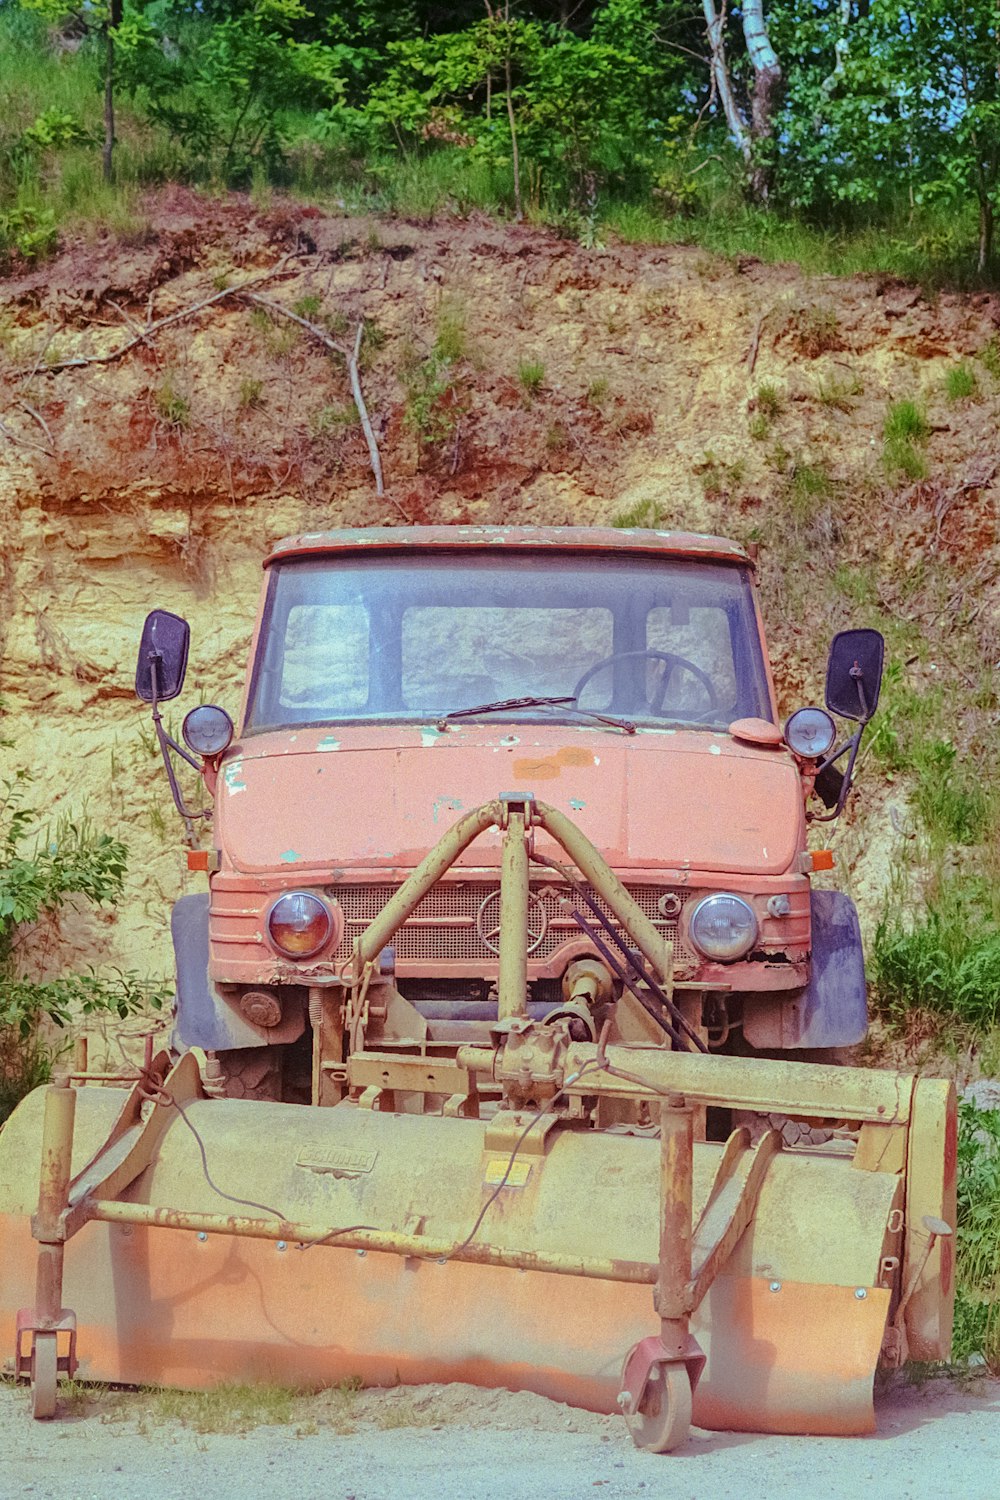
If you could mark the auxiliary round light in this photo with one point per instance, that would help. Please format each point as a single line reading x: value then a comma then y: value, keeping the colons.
x: 723, y: 927
x: 810, y: 732
x: 207, y: 730
x: 299, y: 924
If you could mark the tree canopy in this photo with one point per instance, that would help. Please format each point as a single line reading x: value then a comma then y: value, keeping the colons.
x: 823, y: 108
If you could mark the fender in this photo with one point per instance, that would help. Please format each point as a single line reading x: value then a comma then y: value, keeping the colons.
x: 204, y: 1016
x: 832, y: 1010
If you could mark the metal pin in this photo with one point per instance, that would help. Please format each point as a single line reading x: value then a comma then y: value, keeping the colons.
x: 361, y: 1252
x: 282, y: 1245
x: 202, y: 1236
x: 860, y: 1294
x: 775, y: 1286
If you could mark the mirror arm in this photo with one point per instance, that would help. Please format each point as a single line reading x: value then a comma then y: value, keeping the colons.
x: 166, y: 744
x: 853, y: 745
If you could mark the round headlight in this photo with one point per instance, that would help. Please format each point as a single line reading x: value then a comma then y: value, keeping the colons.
x: 299, y: 924
x: 207, y: 730
x: 723, y: 927
x: 810, y: 732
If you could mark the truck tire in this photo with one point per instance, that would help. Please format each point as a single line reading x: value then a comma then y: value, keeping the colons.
x: 251, y: 1073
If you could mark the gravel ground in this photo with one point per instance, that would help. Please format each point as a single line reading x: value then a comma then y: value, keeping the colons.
x: 940, y: 1439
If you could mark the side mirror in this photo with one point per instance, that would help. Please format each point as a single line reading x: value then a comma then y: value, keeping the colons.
x: 165, y: 641
x: 854, y: 674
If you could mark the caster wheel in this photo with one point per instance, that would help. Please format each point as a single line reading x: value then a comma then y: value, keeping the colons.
x: 663, y: 1420
x: 44, y: 1376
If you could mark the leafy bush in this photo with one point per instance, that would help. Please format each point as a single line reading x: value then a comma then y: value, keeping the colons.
x: 977, y: 1304
x: 40, y: 872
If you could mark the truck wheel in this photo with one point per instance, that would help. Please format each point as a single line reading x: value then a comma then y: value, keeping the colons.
x: 251, y: 1073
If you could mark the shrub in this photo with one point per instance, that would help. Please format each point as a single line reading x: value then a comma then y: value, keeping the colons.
x: 40, y: 872
x: 977, y: 1304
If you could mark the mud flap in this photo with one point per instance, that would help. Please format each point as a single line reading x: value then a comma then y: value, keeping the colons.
x: 204, y: 1018
x: 832, y: 1010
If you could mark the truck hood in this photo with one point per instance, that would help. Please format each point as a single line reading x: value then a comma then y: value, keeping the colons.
x: 364, y: 798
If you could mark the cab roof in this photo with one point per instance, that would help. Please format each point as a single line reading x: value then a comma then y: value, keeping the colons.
x: 561, y: 538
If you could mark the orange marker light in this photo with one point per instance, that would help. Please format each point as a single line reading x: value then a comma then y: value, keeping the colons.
x: 822, y: 859
x: 204, y: 859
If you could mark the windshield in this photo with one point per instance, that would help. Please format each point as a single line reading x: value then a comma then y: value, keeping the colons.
x: 409, y: 638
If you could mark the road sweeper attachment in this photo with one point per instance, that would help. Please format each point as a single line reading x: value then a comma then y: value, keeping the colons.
x: 526, y: 1210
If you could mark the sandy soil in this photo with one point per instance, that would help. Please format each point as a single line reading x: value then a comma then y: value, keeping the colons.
x: 163, y: 476
x: 940, y: 1439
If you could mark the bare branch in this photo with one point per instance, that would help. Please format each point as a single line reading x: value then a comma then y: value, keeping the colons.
x: 350, y: 357
x: 179, y: 316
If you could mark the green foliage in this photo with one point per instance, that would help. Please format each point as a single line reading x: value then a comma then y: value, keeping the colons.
x: 251, y: 393
x: 530, y: 376
x: 960, y: 382
x: 947, y: 963
x: 977, y: 1309
x: 28, y: 231
x: 989, y: 357
x: 905, y: 426
x: 74, y: 861
x: 643, y: 515
x: 769, y: 400
x: 905, y: 422
x: 41, y: 871
x: 837, y: 393
x: 434, y: 398
x: 882, y: 156
x: 720, y: 480
x: 172, y: 407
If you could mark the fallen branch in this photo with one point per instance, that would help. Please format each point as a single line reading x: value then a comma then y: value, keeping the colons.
x: 754, y: 349
x: 32, y: 412
x: 350, y: 357
x: 144, y: 334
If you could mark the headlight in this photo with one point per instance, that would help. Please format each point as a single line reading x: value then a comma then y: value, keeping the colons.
x: 810, y: 732
x: 723, y: 927
x: 299, y: 924
x: 207, y: 730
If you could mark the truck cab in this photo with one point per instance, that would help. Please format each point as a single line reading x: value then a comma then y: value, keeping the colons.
x: 399, y: 678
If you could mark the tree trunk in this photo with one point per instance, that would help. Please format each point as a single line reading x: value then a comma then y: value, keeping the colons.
x: 985, y: 233
x: 721, y: 84
x: 114, y: 20
x: 766, y: 95
x: 515, y: 158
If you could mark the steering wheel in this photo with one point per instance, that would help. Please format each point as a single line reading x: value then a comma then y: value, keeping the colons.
x: 671, y: 661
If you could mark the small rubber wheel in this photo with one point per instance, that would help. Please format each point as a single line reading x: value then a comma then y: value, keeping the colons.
x: 664, y: 1418
x: 44, y: 1376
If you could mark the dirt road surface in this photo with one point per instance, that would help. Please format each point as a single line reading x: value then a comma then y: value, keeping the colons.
x: 940, y: 1439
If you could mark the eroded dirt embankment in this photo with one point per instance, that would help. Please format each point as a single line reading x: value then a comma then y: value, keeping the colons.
x: 569, y: 386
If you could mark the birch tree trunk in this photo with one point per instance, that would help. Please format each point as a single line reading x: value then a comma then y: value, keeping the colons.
x: 766, y: 94
x: 715, y: 22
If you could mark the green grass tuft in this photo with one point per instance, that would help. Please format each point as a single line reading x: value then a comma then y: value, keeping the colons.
x: 960, y: 382
x: 905, y: 422
x: 531, y: 376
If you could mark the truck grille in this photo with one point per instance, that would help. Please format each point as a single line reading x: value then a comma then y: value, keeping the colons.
x: 443, y: 926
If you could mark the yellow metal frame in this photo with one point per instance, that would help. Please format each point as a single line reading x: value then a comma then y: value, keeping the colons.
x: 906, y: 1128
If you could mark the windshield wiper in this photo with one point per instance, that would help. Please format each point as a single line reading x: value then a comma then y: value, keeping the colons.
x: 503, y: 704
